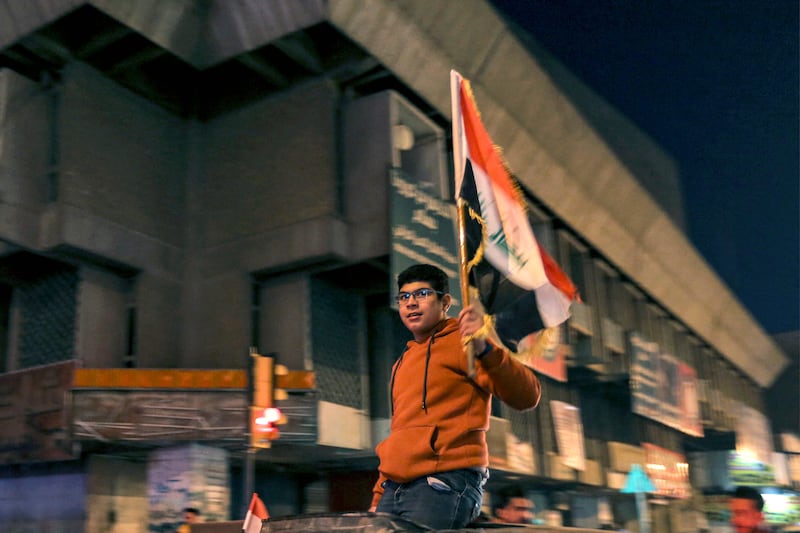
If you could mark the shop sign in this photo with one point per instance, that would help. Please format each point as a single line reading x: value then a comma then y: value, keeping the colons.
x: 746, y: 469
x: 669, y: 471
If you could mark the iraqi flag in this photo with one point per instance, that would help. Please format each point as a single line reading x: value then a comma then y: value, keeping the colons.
x: 517, y: 281
x: 255, y: 515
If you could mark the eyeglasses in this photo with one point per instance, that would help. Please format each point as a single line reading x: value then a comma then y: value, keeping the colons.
x: 420, y: 295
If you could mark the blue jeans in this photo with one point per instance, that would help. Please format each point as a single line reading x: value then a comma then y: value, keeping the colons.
x: 446, y: 500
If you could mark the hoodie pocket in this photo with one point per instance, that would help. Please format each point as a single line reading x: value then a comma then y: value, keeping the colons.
x: 408, y: 452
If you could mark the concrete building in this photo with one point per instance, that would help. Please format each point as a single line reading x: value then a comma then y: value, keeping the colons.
x: 183, y: 180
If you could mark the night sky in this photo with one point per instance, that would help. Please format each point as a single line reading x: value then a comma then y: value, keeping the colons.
x: 715, y: 83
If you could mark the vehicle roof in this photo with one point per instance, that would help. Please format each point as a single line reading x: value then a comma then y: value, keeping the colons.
x: 386, y: 523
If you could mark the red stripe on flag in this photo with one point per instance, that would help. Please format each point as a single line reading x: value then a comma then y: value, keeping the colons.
x: 482, y: 150
x: 557, y: 276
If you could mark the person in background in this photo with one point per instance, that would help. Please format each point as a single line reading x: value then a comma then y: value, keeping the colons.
x: 191, y: 515
x: 747, y: 506
x: 433, y: 465
x: 511, y: 505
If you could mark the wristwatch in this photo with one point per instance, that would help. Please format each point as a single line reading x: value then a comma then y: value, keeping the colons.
x: 484, y: 352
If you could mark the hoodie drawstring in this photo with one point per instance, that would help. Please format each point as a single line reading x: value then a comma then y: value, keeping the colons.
x: 425, y: 378
x: 391, y: 383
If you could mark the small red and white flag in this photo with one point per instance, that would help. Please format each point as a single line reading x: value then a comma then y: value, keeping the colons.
x: 255, y: 515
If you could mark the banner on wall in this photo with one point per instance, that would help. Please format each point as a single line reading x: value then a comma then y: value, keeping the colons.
x: 663, y: 388
x: 552, y: 363
x: 569, y: 434
x: 753, y: 434
x: 545, y: 352
x: 690, y: 400
x: 191, y: 475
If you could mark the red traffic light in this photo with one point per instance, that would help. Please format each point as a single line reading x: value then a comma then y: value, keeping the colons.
x: 270, y: 416
x: 265, y: 424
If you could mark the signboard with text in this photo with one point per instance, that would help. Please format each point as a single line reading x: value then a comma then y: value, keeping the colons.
x: 155, y: 415
x: 746, y: 469
x: 423, y: 231
x: 669, y: 471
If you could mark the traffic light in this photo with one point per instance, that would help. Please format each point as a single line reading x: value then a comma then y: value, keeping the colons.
x: 264, y: 416
x: 264, y: 426
x: 263, y: 380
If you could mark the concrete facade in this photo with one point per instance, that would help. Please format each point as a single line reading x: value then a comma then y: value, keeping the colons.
x: 557, y: 153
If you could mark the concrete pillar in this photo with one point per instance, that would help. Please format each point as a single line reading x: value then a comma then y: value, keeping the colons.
x: 116, y: 499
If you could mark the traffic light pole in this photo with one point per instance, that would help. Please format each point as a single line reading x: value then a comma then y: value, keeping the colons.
x: 263, y: 417
x: 249, y: 478
x: 248, y: 484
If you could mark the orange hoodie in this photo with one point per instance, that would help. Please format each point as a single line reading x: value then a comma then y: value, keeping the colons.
x: 439, y: 414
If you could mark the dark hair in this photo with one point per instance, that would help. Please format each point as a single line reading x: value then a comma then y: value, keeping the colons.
x: 749, y: 493
x: 193, y: 510
x: 503, y: 496
x: 433, y: 275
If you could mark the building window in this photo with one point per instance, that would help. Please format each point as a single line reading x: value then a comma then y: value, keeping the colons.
x: 629, y: 307
x: 574, y: 263
x: 667, y: 335
x: 129, y: 359
x: 542, y: 227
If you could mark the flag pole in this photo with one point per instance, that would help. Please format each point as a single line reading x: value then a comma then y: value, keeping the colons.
x: 469, y: 351
x: 458, y: 167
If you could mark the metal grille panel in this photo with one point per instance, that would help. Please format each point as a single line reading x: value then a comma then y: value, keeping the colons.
x: 48, y: 312
x: 536, y: 426
x: 337, y: 330
x: 523, y: 423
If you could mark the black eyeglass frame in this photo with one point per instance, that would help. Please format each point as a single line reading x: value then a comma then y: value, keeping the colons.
x: 420, y: 295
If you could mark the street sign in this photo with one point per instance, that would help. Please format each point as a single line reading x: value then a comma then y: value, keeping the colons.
x: 637, y: 481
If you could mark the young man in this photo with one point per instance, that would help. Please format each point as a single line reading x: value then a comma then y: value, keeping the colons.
x: 746, y: 506
x: 434, y: 462
x: 511, y: 505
